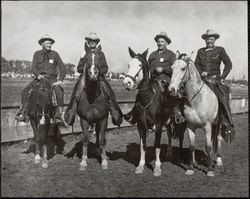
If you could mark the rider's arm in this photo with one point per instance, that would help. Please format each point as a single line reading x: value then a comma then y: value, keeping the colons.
x: 34, y: 69
x: 197, y: 62
x: 227, y: 62
x: 61, y: 66
x: 81, y: 64
x: 104, y: 66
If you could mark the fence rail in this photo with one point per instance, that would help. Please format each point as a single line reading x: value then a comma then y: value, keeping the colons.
x: 10, y: 133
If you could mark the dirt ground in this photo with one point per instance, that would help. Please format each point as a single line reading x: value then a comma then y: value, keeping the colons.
x: 20, y: 177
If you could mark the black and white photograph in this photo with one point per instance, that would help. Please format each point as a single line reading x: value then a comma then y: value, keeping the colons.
x: 124, y: 99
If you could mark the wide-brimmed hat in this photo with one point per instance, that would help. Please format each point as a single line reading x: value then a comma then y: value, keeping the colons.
x: 164, y: 36
x: 44, y: 38
x: 210, y: 33
x: 92, y: 36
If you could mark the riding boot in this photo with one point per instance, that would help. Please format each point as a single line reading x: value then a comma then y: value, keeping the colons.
x: 59, y: 115
x: 115, y: 112
x: 177, y: 115
x: 22, y: 115
x: 129, y: 117
x: 227, y: 130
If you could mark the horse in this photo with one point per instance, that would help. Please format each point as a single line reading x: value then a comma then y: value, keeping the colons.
x: 200, y: 109
x: 40, y: 112
x: 92, y: 106
x: 152, y: 109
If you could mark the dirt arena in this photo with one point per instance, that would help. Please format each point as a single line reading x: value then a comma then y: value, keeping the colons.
x: 20, y: 177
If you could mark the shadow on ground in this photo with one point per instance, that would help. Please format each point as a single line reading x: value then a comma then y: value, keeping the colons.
x: 180, y: 159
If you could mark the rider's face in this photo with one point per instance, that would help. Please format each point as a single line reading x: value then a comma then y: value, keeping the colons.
x: 161, y: 44
x: 210, y: 41
x: 47, y: 45
x: 92, y: 43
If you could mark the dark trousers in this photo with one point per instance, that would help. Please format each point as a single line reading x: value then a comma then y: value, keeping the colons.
x: 58, y: 91
x: 222, y: 92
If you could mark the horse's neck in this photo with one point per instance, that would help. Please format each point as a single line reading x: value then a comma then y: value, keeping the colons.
x: 146, y: 92
x: 194, y: 83
x: 92, y: 90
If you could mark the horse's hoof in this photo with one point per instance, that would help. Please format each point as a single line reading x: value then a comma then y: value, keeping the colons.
x: 45, y: 164
x: 139, y: 170
x: 104, y: 164
x: 189, y: 172
x: 210, y: 174
x: 219, y: 162
x: 37, y: 159
x: 83, y: 166
x: 157, y: 172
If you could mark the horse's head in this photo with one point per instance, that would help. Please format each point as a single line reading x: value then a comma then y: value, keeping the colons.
x: 137, y: 68
x: 93, y: 61
x: 180, y: 74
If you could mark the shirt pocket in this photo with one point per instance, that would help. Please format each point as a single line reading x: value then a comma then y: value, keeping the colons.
x: 215, y: 56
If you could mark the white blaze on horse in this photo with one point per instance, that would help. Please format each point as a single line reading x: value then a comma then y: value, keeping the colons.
x: 200, y: 110
x: 152, y: 110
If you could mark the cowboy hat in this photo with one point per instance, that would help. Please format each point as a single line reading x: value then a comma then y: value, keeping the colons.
x: 44, y: 38
x: 164, y: 36
x: 92, y: 36
x: 210, y: 33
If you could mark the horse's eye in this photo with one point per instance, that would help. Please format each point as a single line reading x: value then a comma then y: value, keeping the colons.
x: 183, y: 69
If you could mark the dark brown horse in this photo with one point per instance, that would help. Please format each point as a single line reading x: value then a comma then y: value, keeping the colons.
x: 92, y: 105
x: 41, y: 111
x: 152, y: 110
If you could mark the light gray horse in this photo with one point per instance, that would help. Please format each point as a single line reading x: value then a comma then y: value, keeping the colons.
x: 200, y: 110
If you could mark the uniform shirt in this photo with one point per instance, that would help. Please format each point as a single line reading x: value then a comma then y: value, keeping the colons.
x: 103, y: 67
x: 49, y: 63
x: 209, y: 60
x: 164, y: 60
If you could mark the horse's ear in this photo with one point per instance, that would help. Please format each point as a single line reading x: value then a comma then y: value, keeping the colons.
x: 177, y: 54
x: 131, y: 52
x: 99, y: 47
x: 144, y: 54
x: 86, y: 47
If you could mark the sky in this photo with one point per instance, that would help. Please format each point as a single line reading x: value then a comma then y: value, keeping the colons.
x: 123, y: 24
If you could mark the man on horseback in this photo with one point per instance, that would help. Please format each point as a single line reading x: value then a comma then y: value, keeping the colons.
x: 116, y: 113
x: 160, y: 62
x: 44, y: 65
x: 207, y: 62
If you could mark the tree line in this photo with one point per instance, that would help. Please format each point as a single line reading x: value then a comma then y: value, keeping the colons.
x: 24, y: 66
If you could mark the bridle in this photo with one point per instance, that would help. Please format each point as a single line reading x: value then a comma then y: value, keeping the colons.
x: 137, y: 74
x: 183, y: 84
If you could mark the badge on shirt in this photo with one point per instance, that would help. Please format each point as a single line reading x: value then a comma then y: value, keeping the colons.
x: 51, y: 61
x: 161, y: 59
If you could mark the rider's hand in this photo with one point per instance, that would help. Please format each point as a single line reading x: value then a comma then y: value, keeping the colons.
x: 57, y: 83
x: 204, y: 74
x: 159, y: 69
x: 40, y: 76
x: 222, y: 81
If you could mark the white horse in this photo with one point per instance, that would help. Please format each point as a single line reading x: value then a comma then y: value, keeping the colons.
x: 200, y: 110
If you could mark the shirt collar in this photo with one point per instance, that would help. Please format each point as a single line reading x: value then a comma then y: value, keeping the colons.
x: 207, y: 49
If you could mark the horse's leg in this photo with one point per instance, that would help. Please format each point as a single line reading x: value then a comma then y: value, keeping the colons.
x: 34, y: 125
x: 157, y: 169
x: 103, y: 142
x: 45, y: 144
x: 142, y: 132
x: 218, y: 159
x: 191, y: 136
x: 85, y: 141
x: 170, y: 149
x: 208, y: 130
x: 97, y: 143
